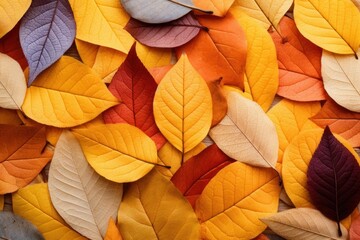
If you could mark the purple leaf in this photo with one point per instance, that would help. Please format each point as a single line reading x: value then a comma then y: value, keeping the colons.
x: 168, y: 35
x: 334, y: 179
x: 47, y: 30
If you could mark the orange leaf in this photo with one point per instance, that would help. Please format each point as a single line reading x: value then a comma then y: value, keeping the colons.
x: 219, y: 52
x: 9, y: 116
x: 261, y: 237
x: 219, y: 102
x: 355, y: 229
x: 113, y: 232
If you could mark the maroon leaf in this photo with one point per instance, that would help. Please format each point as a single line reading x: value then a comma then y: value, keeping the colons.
x: 194, y: 174
x: 168, y: 35
x: 135, y: 87
x: 334, y: 179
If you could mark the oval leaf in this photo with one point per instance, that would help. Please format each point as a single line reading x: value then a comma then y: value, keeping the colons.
x: 51, y: 25
x: 246, y: 134
x: 234, y: 200
x: 94, y: 198
x: 118, y: 152
x: 303, y: 224
x: 182, y: 106
x: 12, y: 83
x: 334, y: 25
x: 11, y: 11
x: 67, y: 94
x: 153, y: 208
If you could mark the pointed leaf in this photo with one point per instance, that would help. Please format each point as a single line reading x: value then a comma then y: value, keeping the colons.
x: 218, y: 7
x: 12, y: 83
x: 51, y: 25
x: 11, y: 11
x: 22, y: 157
x: 299, y: 64
x: 67, y: 94
x: 219, y: 52
x: 153, y: 208
x: 33, y: 203
x: 182, y: 106
x: 118, y: 152
x: 135, y: 87
x: 102, y: 23
x: 303, y: 224
x: 341, y: 75
x: 194, y: 174
x: 234, y: 200
x: 334, y: 25
x: 94, y: 198
x: 246, y: 134
x: 112, y: 232
x: 355, y: 229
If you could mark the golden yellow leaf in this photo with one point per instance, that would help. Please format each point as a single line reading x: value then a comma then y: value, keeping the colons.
x: 246, y: 94
x: 33, y: 203
x: 11, y: 12
x: 183, y: 106
x: 153, y: 57
x: 234, y: 200
x: 118, y: 152
x: 67, y: 94
x: 218, y: 7
x: 333, y: 25
x: 289, y: 118
x: 102, y: 23
x: 113, y: 232
x: 152, y: 208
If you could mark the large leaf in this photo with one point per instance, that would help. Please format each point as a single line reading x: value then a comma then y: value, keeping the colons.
x: 119, y: 152
x: 219, y: 52
x: 101, y: 23
x: 355, y: 229
x: 73, y: 184
x: 11, y: 12
x: 299, y: 64
x: 23, y: 155
x: 182, y: 106
x: 341, y: 74
x: 333, y: 179
x: 67, y: 94
x: 303, y: 224
x: 218, y: 7
x: 34, y: 204
x: 234, y: 200
x: 51, y: 25
x: 334, y: 25
x: 135, y: 87
x: 246, y: 134
x: 12, y: 83
x: 194, y: 175
x: 153, y: 208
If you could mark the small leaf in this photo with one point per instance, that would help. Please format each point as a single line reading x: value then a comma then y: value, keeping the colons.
x: 94, y: 198
x: 153, y: 208
x: 119, y: 152
x: 218, y: 7
x: 112, y: 232
x: 219, y: 102
x: 47, y: 30
x: 303, y: 224
x: 11, y: 11
x: 355, y: 229
x: 12, y: 83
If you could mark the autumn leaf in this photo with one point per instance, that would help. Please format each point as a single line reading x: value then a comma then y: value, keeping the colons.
x: 219, y: 103
x: 153, y: 208
x: 112, y: 232
x: 9, y: 116
x: 218, y: 7
x: 355, y: 229
x: 11, y: 12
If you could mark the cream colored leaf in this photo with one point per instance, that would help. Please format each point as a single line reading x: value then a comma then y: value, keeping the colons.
x: 12, y: 83
x: 82, y: 197
x: 304, y: 224
x: 246, y: 133
x: 341, y: 76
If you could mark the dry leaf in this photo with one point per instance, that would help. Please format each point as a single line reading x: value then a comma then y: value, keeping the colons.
x: 219, y: 103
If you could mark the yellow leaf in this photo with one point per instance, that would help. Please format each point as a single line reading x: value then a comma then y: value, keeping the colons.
x: 102, y: 23
x: 1, y: 202
x: 234, y: 200
x: 67, y: 94
x: 246, y: 94
x: 183, y: 106
x: 118, y: 152
x: 218, y: 7
x: 333, y: 25
x: 33, y: 203
x: 261, y: 69
x: 153, y: 57
x: 113, y: 232
x: 11, y: 12
x: 152, y: 208
x: 289, y: 117
x: 267, y: 13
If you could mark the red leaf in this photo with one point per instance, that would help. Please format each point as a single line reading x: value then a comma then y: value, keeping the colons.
x: 333, y: 179
x: 167, y: 35
x: 194, y: 174
x: 135, y: 87
x: 299, y: 64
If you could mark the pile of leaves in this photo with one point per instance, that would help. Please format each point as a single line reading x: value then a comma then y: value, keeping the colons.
x: 180, y: 119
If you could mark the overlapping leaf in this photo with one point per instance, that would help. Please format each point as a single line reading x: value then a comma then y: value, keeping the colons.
x: 51, y: 25
x: 11, y: 12
x: 355, y: 229
x: 218, y: 7
x: 219, y: 103
x: 112, y: 232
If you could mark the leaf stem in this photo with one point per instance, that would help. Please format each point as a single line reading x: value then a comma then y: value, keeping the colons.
x: 339, y: 229
x: 164, y: 166
x: 191, y: 7
x: 356, y: 56
x: 283, y: 39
